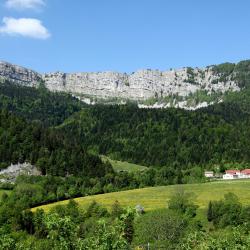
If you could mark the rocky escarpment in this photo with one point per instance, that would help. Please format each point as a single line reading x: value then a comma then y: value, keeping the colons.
x: 19, y: 74
x: 141, y: 85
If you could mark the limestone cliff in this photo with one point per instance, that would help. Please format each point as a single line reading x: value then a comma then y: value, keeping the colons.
x: 19, y: 74
x: 141, y: 85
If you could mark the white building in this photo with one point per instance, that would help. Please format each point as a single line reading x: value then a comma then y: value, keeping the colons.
x: 209, y: 174
x: 230, y: 176
x: 236, y: 174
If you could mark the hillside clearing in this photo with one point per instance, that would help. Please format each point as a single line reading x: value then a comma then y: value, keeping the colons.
x: 124, y: 166
x: 156, y: 197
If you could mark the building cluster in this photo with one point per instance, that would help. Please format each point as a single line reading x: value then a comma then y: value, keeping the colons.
x: 236, y: 174
x: 230, y: 174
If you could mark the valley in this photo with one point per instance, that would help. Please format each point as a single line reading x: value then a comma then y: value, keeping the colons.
x: 81, y: 176
x: 124, y: 125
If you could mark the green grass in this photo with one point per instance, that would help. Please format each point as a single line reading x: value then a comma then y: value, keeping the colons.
x: 157, y: 197
x: 124, y: 166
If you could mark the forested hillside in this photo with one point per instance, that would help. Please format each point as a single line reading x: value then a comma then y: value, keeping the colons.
x: 165, y: 137
x: 38, y: 104
x: 48, y: 149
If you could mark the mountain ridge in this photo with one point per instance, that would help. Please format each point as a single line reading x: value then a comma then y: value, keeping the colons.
x: 150, y: 88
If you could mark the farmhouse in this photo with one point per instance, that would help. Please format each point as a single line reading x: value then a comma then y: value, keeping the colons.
x: 209, y: 174
x: 236, y: 174
x: 245, y: 173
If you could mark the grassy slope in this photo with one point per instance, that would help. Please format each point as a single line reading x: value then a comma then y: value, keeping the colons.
x: 157, y: 197
x: 124, y: 166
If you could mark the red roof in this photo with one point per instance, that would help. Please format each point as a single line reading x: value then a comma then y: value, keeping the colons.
x: 232, y: 171
x: 246, y: 171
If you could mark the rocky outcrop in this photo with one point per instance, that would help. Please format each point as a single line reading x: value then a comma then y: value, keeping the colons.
x: 10, y: 174
x: 19, y: 74
x: 140, y: 85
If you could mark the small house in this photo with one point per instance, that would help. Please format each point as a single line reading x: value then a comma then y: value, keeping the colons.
x: 209, y: 174
x: 236, y: 174
x: 245, y: 174
x: 231, y: 174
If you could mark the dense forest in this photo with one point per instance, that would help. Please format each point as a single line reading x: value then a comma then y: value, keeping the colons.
x: 38, y: 104
x: 48, y: 149
x: 165, y: 137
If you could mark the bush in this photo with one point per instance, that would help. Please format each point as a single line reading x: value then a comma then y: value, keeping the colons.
x: 160, y: 227
x: 181, y: 202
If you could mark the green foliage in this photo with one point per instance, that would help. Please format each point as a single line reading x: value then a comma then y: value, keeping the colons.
x: 182, y: 202
x: 242, y: 74
x: 127, y: 221
x: 116, y: 210
x: 191, y: 76
x: 210, y: 212
x: 160, y: 228
x: 236, y: 239
x: 7, y: 242
x: 50, y: 149
x: 62, y: 231
x: 203, y: 96
x: 162, y: 137
x: 228, y: 212
x: 239, y: 72
x: 106, y: 237
x: 96, y: 210
x: 38, y: 104
x: 224, y: 68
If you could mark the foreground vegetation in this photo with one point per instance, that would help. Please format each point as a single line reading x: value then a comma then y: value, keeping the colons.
x: 226, y: 224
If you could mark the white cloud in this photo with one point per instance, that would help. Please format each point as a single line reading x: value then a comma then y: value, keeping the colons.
x: 27, y: 27
x: 25, y: 4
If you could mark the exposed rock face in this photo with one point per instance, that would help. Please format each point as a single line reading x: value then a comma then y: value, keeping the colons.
x: 141, y: 85
x: 14, y: 170
x: 19, y: 74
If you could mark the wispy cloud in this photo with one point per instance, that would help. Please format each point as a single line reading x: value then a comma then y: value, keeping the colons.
x: 26, y: 27
x: 25, y: 4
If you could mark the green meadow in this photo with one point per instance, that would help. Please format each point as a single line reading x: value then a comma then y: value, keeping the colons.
x: 157, y: 197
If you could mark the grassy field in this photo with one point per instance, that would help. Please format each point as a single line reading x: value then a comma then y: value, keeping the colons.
x: 157, y: 197
x: 124, y: 166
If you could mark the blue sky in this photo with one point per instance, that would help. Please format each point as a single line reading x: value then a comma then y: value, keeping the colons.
x: 123, y: 35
